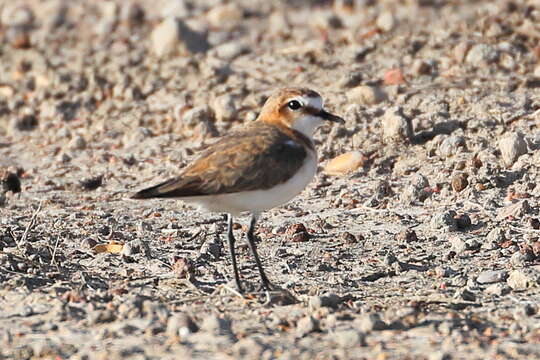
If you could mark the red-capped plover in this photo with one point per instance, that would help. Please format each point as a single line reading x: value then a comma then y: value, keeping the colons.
x: 263, y: 165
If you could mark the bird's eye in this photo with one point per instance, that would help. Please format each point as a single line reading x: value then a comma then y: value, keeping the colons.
x: 294, y: 105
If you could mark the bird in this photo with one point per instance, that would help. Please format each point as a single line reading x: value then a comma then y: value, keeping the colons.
x: 256, y: 168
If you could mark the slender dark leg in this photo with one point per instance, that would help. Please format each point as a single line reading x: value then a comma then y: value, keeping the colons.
x: 232, y: 240
x: 251, y: 242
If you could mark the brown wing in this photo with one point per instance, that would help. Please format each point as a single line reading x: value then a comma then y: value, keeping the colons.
x: 259, y: 157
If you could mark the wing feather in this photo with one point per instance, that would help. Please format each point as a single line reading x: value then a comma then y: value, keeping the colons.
x: 259, y: 157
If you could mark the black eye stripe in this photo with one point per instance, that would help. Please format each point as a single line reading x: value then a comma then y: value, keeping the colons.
x: 294, y: 105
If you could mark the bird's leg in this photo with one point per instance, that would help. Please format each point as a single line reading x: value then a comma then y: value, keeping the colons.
x: 232, y: 240
x: 251, y: 242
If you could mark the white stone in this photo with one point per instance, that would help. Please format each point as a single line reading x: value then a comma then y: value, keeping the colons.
x: 224, y: 108
x: 174, y: 36
x: 386, y: 21
x: 512, y: 146
x: 396, y: 126
x: 16, y: 15
x: 481, y: 54
x: 165, y: 38
x: 366, y: 95
x: 225, y: 16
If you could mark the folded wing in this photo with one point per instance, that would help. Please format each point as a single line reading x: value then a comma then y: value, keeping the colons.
x: 260, y: 157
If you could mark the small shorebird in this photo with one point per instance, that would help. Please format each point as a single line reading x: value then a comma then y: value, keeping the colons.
x: 261, y: 166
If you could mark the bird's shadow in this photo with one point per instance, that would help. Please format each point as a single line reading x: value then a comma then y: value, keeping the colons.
x: 441, y: 128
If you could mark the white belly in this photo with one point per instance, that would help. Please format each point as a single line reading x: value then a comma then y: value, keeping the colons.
x: 259, y: 200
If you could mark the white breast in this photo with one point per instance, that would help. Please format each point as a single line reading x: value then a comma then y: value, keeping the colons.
x: 257, y: 201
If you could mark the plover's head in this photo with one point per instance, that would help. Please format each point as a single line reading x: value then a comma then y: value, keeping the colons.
x: 298, y: 108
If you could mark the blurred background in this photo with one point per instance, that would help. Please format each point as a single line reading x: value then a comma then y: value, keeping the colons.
x: 118, y: 83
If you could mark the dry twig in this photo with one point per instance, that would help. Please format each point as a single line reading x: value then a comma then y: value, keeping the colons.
x: 30, y: 225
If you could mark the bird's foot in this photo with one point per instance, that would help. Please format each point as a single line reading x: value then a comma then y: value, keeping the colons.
x: 276, y: 295
x: 267, y: 294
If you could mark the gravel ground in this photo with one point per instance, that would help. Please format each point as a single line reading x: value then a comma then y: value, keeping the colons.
x: 421, y: 242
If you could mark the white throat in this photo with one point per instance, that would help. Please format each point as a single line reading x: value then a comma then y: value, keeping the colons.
x: 307, y: 125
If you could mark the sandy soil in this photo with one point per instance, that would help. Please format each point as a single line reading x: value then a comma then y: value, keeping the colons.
x: 427, y: 248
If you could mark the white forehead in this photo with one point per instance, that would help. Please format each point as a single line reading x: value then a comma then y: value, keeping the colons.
x: 314, y: 102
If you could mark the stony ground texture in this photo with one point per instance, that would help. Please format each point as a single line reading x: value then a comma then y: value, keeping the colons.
x: 421, y: 243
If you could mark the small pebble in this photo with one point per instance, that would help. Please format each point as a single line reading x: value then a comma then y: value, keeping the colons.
x: 463, y: 222
x: 217, y: 325
x: 327, y: 21
x: 248, y: 348
x: 348, y: 238
x: 133, y: 14
x: 68, y: 110
x: 197, y: 115
x: 421, y: 67
x: 200, y: 120
x: 212, y: 248
x: 536, y: 248
x: 345, y: 163
x: 297, y: 233
x: 521, y: 279
x: 464, y: 294
x: 231, y: 50
x: 440, y: 355
x: 496, y: 236
x: 300, y: 237
x: 26, y: 123
x: 181, y: 324
x: 134, y: 247
x: 6, y: 91
x: 224, y: 108
x: 15, y: 15
x: 491, y: 276
x: 512, y: 146
x: 482, y: 54
x: 26, y: 311
x: 537, y: 71
x: 184, y: 268
x: 451, y: 145
x: 165, y: 38
x: 330, y: 301
x: 386, y: 21
x: 473, y: 244
x: 445, y: 221
x: 458, y: 244
x: 366, y: 95
x: 396, y: 127
x: 460, y: 51
x: 174, y: 36
x: 306, y: 325
x: 417, y: 190
x: 10, y: 181
x: 406, y: 236
x: 394, y: 77
x: 371, y: 322
x: 443, y: 272
x: 295, y: 229
x: 349, y: 338
x: 519, y: 259
x: 516, y: 210
x: 497, y: 289
x: 279, y: 24
x: 459, y: 182
x: 350, y: 80
x: 77, y: 143
x: 18, y: 38
x: 225, y: 16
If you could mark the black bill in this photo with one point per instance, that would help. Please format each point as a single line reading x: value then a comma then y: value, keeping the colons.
x: 330, y: 117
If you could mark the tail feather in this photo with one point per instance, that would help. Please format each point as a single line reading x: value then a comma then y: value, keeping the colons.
x: 172, y: 188
x: 155, y: 191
